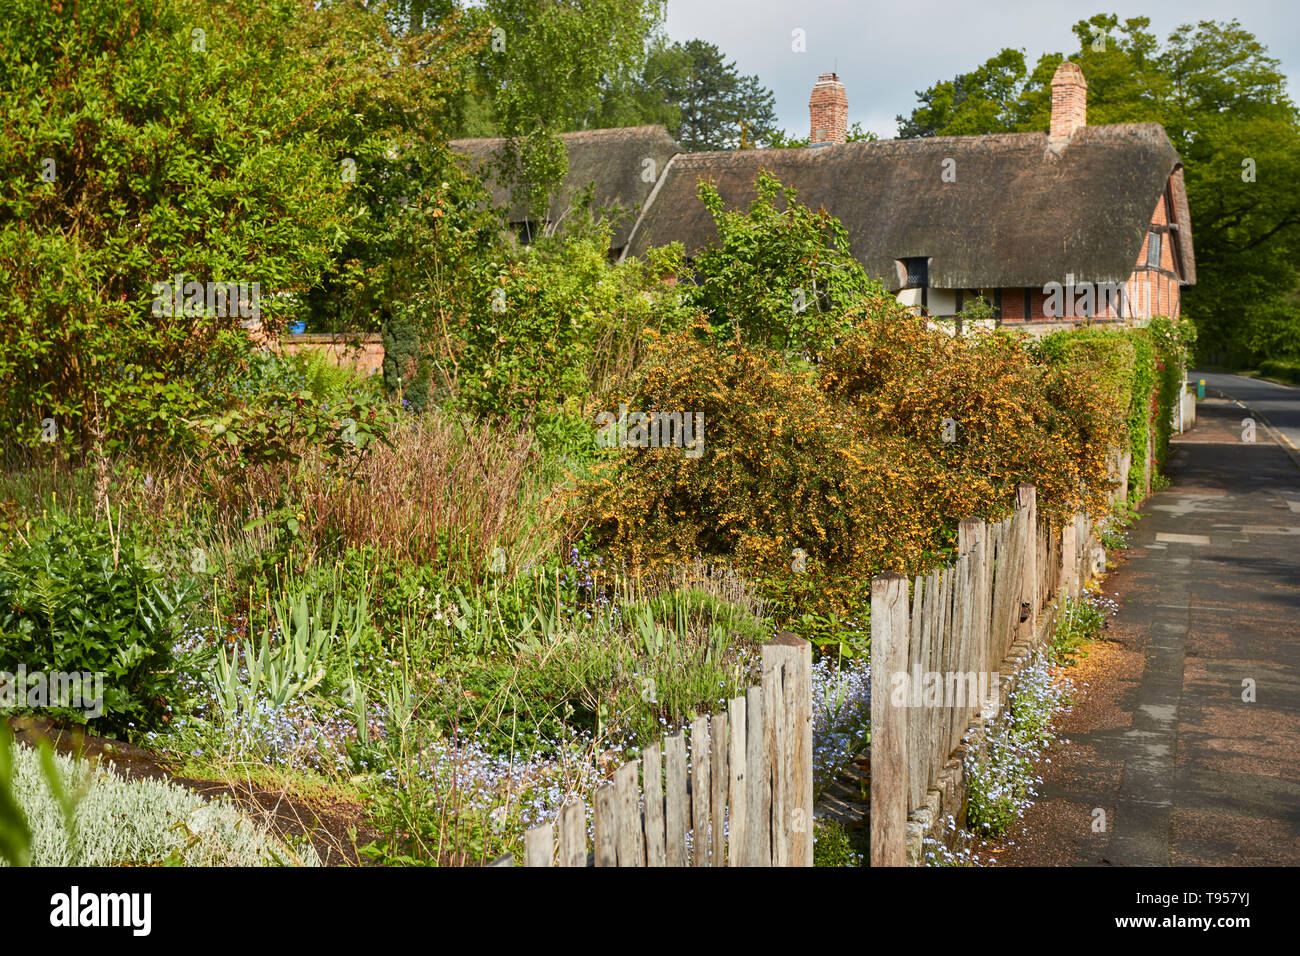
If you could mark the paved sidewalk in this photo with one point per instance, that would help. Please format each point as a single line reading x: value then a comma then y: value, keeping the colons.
x: 1186, y: 771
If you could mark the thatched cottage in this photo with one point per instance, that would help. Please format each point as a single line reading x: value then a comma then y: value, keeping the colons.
x: 1076, y: 223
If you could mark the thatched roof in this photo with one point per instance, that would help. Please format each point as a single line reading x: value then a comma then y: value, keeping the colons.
x: 1018, y: 213
x: 614, y: 160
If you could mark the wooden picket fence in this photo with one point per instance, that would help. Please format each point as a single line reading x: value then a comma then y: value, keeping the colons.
x: 963, y: 620
x: 746, y: 798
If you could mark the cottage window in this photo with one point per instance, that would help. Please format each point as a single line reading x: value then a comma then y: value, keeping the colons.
x: 1153, y: 250
x: 918, y: 272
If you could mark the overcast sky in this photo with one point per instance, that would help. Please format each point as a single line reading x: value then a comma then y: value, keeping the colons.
x: 884, y: 52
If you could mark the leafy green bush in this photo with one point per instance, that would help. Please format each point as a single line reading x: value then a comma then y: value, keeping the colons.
x: 543, y: 325
x: 78, y: 596
x: 1287, y: 371
x: 205, y: 151
x: 832, y: 845
x: 1172, y: 341
x: 779, y: 274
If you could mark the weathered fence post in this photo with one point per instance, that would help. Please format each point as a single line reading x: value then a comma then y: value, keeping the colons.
x: 737, y: 785
x: 539, y: 845
x: 787, y: 736
x: 1069, y: 554
x: 889, y: 633
x: 605, y: 816
x: 758, y: 797
x: 974, y: 538
x: 677, y: 811
x: 573, y: 835
x: 1027, y: 527
x: 700, y: 790
x: 627, y: 801
x: 718, y: 782
x: 653, y: 787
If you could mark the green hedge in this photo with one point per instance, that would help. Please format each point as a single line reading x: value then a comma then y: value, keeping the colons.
x: 1143, y: 369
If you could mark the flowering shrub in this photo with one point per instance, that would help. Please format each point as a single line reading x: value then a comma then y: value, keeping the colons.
x: 864, y: 463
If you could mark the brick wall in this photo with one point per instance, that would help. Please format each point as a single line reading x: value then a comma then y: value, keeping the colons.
x: 361, y: 351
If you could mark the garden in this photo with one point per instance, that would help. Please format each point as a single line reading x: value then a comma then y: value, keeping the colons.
x: 434, y: 597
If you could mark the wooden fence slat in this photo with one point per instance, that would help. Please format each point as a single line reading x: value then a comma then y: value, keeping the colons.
x: 787, y: 681
x: 776, y: 752
x: 758, y: 802
x: 676, y: 808
x: 798, y: 714
x: 539, y: 845
x: 700, y: 790
x: 957, y: 626
x: 573, y: 835
x: 941, y: 624
x: 1027, y: 591
x: 889, y: 631
x: 718, y: 736
x: 916, y: 770
x: 627, y: 799
x: 737, y: 785
x: 653, y: 787
x: 924, y: 717
x: 606, y: 826
x: 974, y: 535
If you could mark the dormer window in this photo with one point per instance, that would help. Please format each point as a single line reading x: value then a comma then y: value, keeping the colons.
x: 917, y: 272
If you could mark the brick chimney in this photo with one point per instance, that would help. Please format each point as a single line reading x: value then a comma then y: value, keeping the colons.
x: 1069, y: 101
x: 828, y: 111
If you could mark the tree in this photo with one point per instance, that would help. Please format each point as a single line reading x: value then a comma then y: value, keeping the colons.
x: 1222, y: 100
x: 716, y: 105
x: 544, y: 69
x: 183, y: 137
x: 980, y: 101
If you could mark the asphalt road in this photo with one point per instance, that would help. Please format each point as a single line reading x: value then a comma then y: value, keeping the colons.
x: 1278, y: 404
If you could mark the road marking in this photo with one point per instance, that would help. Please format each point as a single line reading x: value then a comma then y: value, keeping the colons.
x: 1267, y: 529
x: 1182, y: 538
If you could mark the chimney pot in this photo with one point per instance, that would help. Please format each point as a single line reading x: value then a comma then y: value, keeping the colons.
x: 1069, y: 101
x: 828, y: 111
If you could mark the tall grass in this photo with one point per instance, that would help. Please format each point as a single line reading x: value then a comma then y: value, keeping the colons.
x: 445, y: 493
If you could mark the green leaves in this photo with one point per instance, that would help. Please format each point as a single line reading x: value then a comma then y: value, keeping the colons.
x: 73, y: 598
x: 15, y: 834
x: 780, y: 274
x: 293, y: 655
x: 221, y: 164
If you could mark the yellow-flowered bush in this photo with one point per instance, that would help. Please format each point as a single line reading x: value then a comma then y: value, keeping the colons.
x: 851, y: 461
